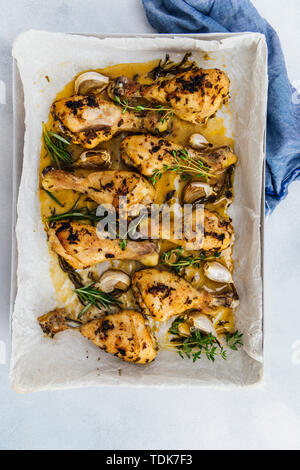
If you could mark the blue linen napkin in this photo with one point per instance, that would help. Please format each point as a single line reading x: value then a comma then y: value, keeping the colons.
x: 283, y: 122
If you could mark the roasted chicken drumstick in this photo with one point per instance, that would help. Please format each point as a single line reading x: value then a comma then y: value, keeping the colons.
x: 89, y: 120
x: 162, y: 295
x: 81, y: 247
x: 104, y: 187
x: 149, y: 153
x: 124, y: 334
x: 199, y: 229
x: 194, y: 95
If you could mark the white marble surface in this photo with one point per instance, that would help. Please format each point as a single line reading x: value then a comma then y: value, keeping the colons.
x: 123, y: 418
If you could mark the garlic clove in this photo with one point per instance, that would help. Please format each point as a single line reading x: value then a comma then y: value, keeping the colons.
x: 114, y: 281
x: 93, y: 159
x: 198, y: 141
x: 90, y: 81
x: 201, y: 322
x: 217, y: 272
x: 184, y: 329
x: 196, y: 191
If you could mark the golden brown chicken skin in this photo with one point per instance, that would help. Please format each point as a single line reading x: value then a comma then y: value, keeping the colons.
x: 89, y: 120
x: 81, y: 247
x: 203, y: 230
x: 194, y: 95
x: 104, y: 187
x: 198, y: 229
x: 162, y: 295
x: 149, y: 153
x: 125, y: 334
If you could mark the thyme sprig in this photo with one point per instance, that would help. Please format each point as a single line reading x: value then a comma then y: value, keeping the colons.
x: 234, y: 340
x: 89, y: 296
x: 168, y: 112
x: 197, y: 344
x: 168, y: 67
x: 177, y: 261
x: 55, y: 146
x: 184, y: 165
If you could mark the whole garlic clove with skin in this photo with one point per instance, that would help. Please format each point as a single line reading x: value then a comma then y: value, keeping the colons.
x: 113, y: 281
x: 201, y: 322
x: 198, y: 141
x: 217, y: 272
x: 196, y: 191
x: 89, y: 81
x: 93, y: 159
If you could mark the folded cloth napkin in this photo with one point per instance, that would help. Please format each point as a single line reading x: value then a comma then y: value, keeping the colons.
x: 283, y: 125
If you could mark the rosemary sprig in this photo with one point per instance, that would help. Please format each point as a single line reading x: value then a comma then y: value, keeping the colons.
x: 53, y: 198
x: 185, y: 165
x: 75, y: 213
x: 89, y: 297
x: 84, y: 213
x: 177, y: 261
x: 56, y: 147
x: 197, y: 344
x: 159, y: 108
x: 168, y: 67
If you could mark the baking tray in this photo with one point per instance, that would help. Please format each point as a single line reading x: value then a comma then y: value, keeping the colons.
x: 18, y: 144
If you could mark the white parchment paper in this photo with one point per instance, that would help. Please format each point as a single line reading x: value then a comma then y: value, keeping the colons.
x: 38, y: 363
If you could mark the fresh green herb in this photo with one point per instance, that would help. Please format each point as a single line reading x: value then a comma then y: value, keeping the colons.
x: 75, y: 213
x: 56, y: 147
x: 83, y: 213
x: 168, y: 67
x: 89, y: 297
x: 130, y: 233
x: 234, y: 340
x: 174, y: 327
x: 54, y: 198
x: 185, y: 165
x: 177, y: 261
x: 123, y: 243
x: 197, y: 344
x: 168, y: 112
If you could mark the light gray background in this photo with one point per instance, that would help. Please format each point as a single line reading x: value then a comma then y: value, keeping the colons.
x: 127, y: 418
